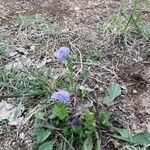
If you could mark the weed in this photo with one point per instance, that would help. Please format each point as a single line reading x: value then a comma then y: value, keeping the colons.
x: 29, y: 21
x: 29, y: 83
x: 4, y: 124
x: 93, y: 55
x: 105, y: 120
x: 85, y: 92
x: 90, y: 123
x: 52, y: 30
x: 60, y: 111
x: 113, y: 92
x: 128, y: 24
x: 142, y: 138
x: 81, y: 127
x: 70, y: 75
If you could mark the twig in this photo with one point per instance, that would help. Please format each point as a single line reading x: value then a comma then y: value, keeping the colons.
x: 30, y: 114
x: 94, y: 64
x: 128, y: 147
x: 81, y: 62
x: 98, y: 141
x: 66, y: 141
x: 97, y: 80
x: 16, y: 96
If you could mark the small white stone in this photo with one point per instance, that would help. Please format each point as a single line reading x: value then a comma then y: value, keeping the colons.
x: 77, y: 8
x: 22, y: 136
x: 32, y: 47
x: 12, y: 53
x: 134, y: 91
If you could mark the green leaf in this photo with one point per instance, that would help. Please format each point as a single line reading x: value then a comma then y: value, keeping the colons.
x: 70, y: 75
x: 64, y: 145
x: 18, y: 110
x: 48, y: 126
x: 77, y: 130
x: 47, y: 145
x: 124, y: 133
x: 89, y: 124
x: 88, y: 144
x: 60, y: 111
x: 39, y: 115
x: 98, y: 143
x: 105, y: 118
x: 69, y: 64
x: 90, y: 121
x: 42, y: 135
x: 113, y: 92
x: 142, y: 138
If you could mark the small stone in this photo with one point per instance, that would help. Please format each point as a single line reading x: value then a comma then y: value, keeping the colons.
x: 22, y: 136
x: 12, y: 53
x: 32, y: 48
x: 135, y: 91
x: 101, y: 89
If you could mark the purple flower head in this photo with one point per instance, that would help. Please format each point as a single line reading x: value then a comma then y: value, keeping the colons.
x: 61, y: 96
x: 62, y: 54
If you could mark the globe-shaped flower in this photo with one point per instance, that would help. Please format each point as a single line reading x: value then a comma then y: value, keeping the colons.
x: 62, y: 54
x: 61, y: 96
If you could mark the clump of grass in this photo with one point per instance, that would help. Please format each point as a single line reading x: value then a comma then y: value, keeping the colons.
x: 93, y: 55
x: 33, y: 21
x: 52, y: 30
x: 38, y: 22
x: 27, y: 83
x: 128, y: 24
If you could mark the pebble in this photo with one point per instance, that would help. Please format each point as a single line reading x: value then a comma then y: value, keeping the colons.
x: 22, y: 136
x: 134, y: 91
x: 12, y: 53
